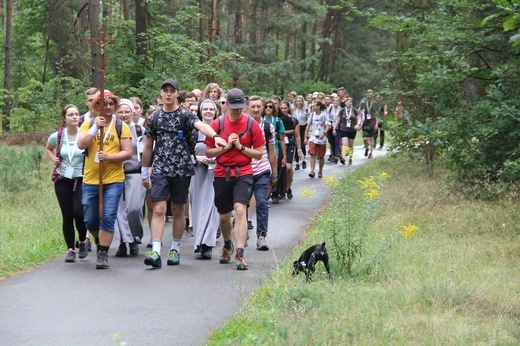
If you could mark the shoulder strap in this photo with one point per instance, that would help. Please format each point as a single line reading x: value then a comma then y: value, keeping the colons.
x: 59, y: 141
x: 138, y: 130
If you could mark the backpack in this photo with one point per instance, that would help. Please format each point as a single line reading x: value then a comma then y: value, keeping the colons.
x: 189, y: 136
x: 55, y: 175
x: 267, y: 134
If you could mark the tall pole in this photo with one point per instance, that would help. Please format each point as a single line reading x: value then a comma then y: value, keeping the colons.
x: 101, y: 42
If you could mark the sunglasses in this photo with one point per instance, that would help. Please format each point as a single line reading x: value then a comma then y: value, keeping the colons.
x: 269, y: 107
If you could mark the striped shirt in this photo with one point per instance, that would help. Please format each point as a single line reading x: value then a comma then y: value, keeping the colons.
x: 262, y: 165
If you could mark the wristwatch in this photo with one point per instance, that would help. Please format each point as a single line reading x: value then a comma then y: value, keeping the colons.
x: 242, y: 148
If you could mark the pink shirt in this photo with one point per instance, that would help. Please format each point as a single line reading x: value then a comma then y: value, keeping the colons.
x: 262, y: 165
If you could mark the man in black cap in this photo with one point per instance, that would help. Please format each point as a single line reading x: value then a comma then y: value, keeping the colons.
x: 169, y: 127
x: 234, y: 173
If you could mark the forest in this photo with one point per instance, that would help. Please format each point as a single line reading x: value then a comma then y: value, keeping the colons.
x: 454, y: 65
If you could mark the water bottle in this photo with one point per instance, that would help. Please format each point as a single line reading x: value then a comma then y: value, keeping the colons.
x: 180, y: 134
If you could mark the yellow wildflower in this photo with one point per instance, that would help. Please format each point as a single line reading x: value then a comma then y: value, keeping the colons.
x: 410, y: 230
x: 307, y: 191
x: 368, y: 183
x: 372, y: 194
x: 330, y: 181
x: 346, y: 151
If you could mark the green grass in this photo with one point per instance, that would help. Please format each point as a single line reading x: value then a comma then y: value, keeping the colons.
x: 30, y: 221
x: 455, y: 282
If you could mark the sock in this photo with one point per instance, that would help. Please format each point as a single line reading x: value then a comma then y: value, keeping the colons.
x: 156, y: 246
x: 227, y: 244
x: 176, y: 243
x: 103, y: 248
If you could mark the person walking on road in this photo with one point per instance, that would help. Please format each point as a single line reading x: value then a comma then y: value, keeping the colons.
x: 234, y: 173
x: 170, y: 128
x: 316, y: 136
x: 117, y: 147
x: 68, y: 177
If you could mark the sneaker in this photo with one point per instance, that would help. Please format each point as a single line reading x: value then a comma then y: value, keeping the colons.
x: 350, y: 162
x: 149, y: 245
x: 122, y: 251
x: 152, y: 258
x: 102, y: 260
x: 173, y: 258
x: 138, y: 240
x: 331, y: 159
x: 261, y: 244
x: 336, y: 160
x: 320, y: 174
x: 83, y: 249
x: 134, y: 248
x: 304, y: 164
x: 370, y: 156
x: 225, y: 254
x: 239, y: 260
x: 311, y: 174
x: 250, y: 225
x: 289, y: 194
x: 89, y: 244
x: 275, y: 199
x: 366, y: 152
x: 342, y: 160
x: 297, y: 168
x: 205, y: 251
x: 189, y: 231
x: 70, y: 256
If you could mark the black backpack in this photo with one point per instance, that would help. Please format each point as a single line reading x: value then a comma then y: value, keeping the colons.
x: 189, y: 136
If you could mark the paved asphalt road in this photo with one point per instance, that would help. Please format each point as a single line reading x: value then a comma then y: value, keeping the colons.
x: 62, y: 303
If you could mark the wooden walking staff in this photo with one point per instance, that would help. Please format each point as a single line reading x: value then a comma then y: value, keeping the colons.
x: 101, y: 42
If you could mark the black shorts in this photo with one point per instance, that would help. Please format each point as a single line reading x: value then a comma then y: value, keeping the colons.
x: 348, y: 134
x: 234, y: 190
x: 173, y: 189
x: 368, y: 131
x: 289, y: 148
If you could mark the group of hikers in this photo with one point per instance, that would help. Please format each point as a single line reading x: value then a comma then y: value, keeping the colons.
x: 209, y: 159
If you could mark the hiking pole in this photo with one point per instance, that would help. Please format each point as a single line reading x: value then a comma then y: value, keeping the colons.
x: 101, y: 42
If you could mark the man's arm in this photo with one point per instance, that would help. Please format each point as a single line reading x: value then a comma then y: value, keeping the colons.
x: 209, y: 132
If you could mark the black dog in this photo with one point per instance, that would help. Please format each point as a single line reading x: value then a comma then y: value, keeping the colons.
x: 307, y: 261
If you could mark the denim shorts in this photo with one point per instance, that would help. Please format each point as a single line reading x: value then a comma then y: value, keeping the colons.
x: 90, y: 200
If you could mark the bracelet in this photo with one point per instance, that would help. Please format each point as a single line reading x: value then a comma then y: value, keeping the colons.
x: 145, y: 173
x: 216, y: 135
x: 300, y: 151
x: 274, y: 175
x: 93, y: 130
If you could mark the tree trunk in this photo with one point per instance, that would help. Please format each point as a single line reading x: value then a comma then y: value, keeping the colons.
x: 303, y: 52
x: 126, y: 10
x: 313, y: 50
x: 142, y: 22
x: 6, y: 119
x: 93, y: 20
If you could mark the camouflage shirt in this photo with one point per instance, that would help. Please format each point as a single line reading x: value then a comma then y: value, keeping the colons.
x: 171, y: 155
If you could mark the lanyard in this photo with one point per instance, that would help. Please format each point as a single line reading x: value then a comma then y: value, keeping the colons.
x: 107, y: 133
x: 70, y: 152
x: 349, y: 112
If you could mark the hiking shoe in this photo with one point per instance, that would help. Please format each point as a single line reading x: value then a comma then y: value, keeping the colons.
x: 366, y: 152
x: 304, y: 164
x: 83, y: 249
x: 336, y: 160
x: 70, y: 256
x: 225, y: 254
x: 122, y: 251
x: 311, y: 174
x: 289, y: 194
x: 102, y: 260
x: 239, y: 260
x: 205, y: 251
x: 138, y: 240
x: 320, y: 174
x: 89, y: 244
x: 250, y: 225
x: 134, y: 248
x: 152, y: 258
x: 297, y: 168
x: 261, y: 244
x: 342, y: 160
x: 275, y: 199
x: 370, y: 156
x: 173, y: 258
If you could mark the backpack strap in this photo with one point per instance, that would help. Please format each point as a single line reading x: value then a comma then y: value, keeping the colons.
x: 59, y: 142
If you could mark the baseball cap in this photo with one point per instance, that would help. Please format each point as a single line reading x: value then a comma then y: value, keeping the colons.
x: 170, y: 82
x: 236, y: 99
